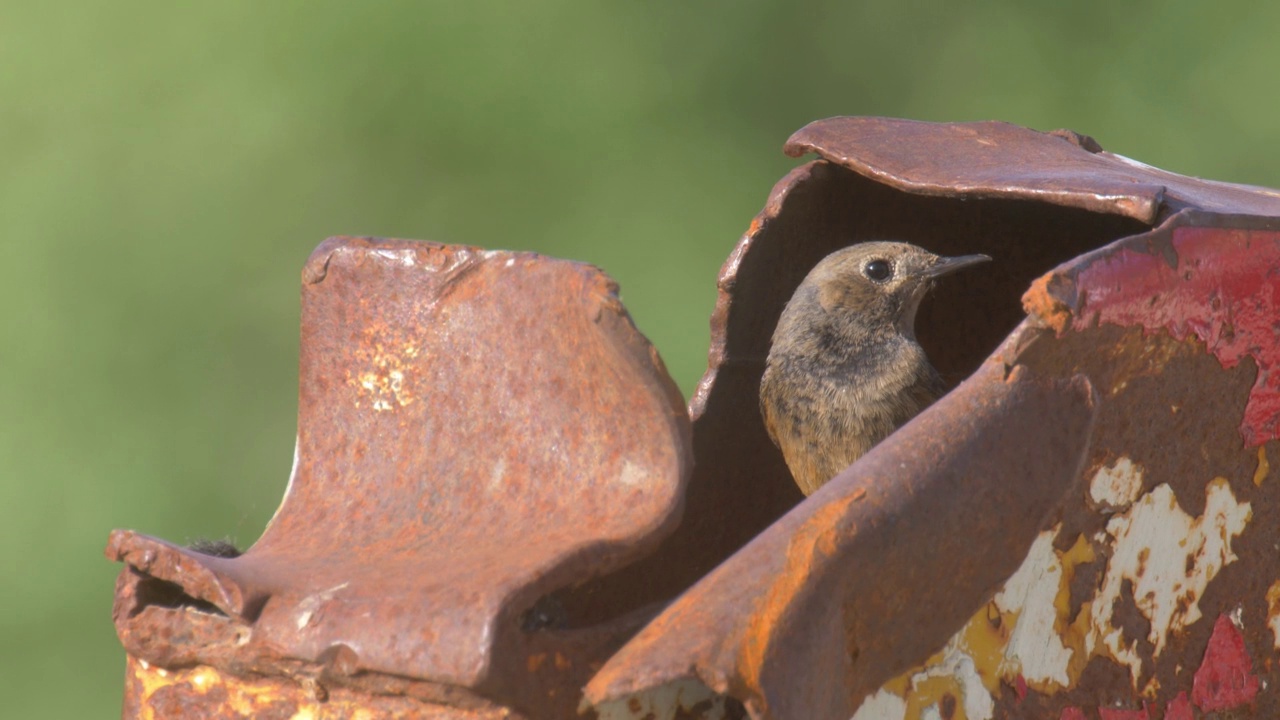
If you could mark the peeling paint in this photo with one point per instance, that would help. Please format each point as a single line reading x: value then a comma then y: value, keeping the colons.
x: 1225, y: 679
x: 1228, y: 306
x: 955, y: 674
x: 1169, y: 557
x: 1116, y: 486
x: 1035, y: 650
x: 880, y: 705
x: 1027, y: 634
x: 1264, y: 467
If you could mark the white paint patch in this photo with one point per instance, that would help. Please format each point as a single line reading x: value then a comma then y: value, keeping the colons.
x: 1117, y: 486
x: 1153, y: 545
x: 883, y: 705
x: 663, y: 703
x: 1035, y: 650
x: 959, y: 666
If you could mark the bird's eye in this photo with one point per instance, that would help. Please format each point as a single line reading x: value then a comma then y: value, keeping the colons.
x: 878, y: 270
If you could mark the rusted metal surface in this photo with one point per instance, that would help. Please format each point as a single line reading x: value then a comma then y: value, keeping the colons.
x: 1121, y: 570
x: 493, y: 491
x: 476, y: 431
x: 155, y: 693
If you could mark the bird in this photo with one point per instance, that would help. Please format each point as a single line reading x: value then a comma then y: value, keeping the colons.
x: 844, y: 369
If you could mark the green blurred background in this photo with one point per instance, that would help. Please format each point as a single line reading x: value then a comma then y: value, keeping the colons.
x: 167, y: 170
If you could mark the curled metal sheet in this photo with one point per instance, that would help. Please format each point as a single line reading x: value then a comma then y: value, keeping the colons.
x: 996, y: 159
x: 899, y: 591
x: 476, y: 430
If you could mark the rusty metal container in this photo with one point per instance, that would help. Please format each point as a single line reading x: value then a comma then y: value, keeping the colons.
x: 496, y: 500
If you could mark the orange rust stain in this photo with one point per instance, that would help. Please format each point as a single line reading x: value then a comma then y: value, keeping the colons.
x: 809, y: 546
x: 562, y: 662
x: 535, y: 661
x: 754, y: 227
x: 1039, y: 302
x: 1264, y: 467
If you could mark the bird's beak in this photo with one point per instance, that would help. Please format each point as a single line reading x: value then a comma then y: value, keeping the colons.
x: 948, y: 265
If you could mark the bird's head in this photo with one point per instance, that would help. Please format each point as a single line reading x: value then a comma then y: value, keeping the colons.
x: 875, y: 286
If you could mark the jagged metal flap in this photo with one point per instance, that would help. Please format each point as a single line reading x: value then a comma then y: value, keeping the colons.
x: 475, y: 429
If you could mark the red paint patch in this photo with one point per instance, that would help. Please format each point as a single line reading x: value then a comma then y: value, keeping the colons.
x: 1225, y: 289
x: 1020, y: 687
x: 1179, y: 709
x: 1072, y: 713
x: 1225, y: 679
x: 1118, y: 714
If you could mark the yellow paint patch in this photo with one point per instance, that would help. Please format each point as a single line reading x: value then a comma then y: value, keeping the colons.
x: 1074, y: 632
x: 1273, y: 611
x: 986, y: 637
x: 1264, y: 467
x: 930, y: 691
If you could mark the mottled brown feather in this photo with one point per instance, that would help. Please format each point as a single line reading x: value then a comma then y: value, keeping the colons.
x: 844, y: 368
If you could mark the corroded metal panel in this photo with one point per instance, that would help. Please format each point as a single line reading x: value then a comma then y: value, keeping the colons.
x: 1143, y: 585
x: 1151, y: 593
x: 476, y: 431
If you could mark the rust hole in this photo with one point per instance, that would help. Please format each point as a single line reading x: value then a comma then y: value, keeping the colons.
x: 548, y: 613
x: 154, y: 592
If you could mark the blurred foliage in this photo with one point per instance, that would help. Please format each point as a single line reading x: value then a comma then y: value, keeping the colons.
x: 168, y: 167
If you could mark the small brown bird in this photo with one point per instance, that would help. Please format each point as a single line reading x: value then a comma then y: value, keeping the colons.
x: 844, y: 369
